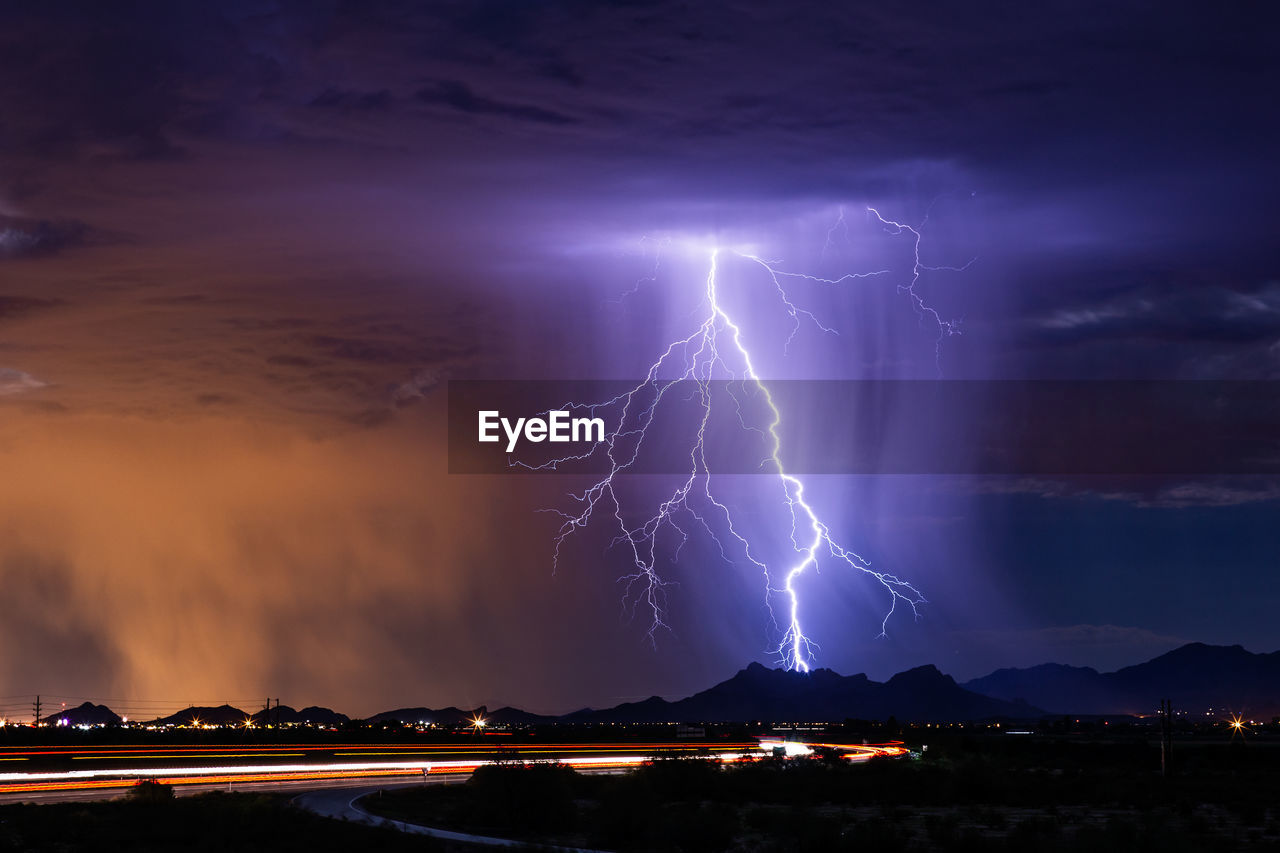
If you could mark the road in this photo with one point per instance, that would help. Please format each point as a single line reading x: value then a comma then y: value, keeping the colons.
x: 333, y: 799
x: 111, y: 771
x: 292, y: 786
x: 341, y: 804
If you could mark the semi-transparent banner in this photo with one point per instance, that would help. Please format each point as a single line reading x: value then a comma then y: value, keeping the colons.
x: 865, y: 427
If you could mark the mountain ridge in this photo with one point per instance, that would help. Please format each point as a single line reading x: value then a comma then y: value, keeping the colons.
x: 1195, y: 676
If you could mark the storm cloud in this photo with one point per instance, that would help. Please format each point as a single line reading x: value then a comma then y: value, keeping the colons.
x: 244, y: 246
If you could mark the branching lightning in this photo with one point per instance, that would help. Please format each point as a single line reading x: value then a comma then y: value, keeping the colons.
x: 717, y: 350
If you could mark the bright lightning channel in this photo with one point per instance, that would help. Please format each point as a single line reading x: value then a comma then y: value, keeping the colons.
x: 717, y: 350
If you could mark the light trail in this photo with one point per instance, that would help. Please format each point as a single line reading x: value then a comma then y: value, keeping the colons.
x: 854, y: 752
x: 461, y: 747
x: 67, y: 780
x: 717, y: 349
x: 193, y: 755
x: 123, y: 777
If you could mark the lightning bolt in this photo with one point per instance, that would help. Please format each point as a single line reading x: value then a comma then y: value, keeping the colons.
x: 717, y: 350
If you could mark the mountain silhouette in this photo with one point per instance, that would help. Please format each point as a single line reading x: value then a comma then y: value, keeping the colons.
x: 312, y: 714
x: 777, y: 695
x: 452, y: 716
x: 222, y: 715
x: 1195, y: 677
x: 86, y: 714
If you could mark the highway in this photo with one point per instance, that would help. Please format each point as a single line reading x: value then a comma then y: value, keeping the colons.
x: 70, y: 795
x: 46, y: 774
x: 59, y: 774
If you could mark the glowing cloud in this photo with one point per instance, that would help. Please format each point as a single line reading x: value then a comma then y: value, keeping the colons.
x: 718, y: 351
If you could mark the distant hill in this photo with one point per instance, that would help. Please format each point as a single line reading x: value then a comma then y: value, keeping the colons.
x: 456, y: 717
x: 760, y: 693
x: 1195, y: 677
x: 87, y: 714
x: 312, y: 714
x: 412, y: 716
x: 223, y: 715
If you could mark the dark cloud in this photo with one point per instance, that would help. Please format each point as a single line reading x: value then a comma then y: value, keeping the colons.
x: 370, y: 418
x: 1147, y: 491
x: 393, y: 345
x: 269, y: 323
x: 14, y: 306
x: 83, y: 75
x: 292, y: 361
x: 563, y: 72
x: 177, y: 299
x: 1195, y: 313
x: 1156, y: 323
x: 33, y: 237
x: 346, y: 100
x: 459, y: 96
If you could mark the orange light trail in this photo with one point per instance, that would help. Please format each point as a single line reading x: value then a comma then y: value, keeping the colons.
x: 572, y: 755
x: 89, y: 779
x: 195, y: 755
x: 169, y: 751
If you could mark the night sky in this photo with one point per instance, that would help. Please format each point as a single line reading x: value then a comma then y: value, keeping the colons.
x: 243, y: 245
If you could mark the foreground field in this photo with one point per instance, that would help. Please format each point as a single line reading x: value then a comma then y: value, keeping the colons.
x: 202, y: 824
x: 964, y: 796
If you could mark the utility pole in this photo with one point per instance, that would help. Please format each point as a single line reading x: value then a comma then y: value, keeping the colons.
x: 1166, y: 736
x: 35, y: 706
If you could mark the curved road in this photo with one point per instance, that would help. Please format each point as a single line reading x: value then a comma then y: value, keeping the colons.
x: 340, y: 804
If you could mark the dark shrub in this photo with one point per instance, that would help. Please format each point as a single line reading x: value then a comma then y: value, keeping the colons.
x: 151, y: 791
